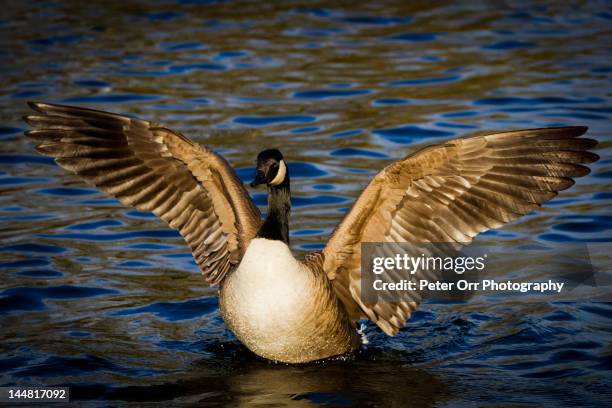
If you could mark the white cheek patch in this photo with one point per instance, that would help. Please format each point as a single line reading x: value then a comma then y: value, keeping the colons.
x: 280, y: 175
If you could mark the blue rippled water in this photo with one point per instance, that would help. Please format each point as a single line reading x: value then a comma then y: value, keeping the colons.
x: 108, y: 300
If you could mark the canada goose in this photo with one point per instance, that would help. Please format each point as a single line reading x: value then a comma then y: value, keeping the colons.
x: 292, y: 310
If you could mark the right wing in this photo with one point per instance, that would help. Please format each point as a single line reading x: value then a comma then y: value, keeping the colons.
x: 449, y: 193
x: 152, y: 168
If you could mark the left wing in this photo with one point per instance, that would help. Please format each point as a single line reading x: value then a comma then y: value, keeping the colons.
x: 152, y: 168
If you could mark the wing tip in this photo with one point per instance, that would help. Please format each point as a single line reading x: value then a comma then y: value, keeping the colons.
x: 46, y: 150
x: 563, y: 132
x: 590, y: 157
x: 37, y: 106
x: 47, y: 108
x: 576, y: 130
x: 387, y: 327
x: 572, y: 131
x: 568, y: 183
x: 30, y: 133
x: 28, y: 120
x: 33, y: 120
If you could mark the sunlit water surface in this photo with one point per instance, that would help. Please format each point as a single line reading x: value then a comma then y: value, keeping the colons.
x: 108, y: 300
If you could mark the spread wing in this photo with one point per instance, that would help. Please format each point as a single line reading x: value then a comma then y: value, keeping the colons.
x: 154, y: 169
x: 449, y: 193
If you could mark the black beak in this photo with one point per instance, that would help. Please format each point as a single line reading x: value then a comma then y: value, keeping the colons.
x: 260, y: 178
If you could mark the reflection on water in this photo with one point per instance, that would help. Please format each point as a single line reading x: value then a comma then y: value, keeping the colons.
x: 108, y: 300
x: 260, y: 383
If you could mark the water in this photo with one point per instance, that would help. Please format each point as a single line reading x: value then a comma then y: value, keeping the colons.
x: 107, y: 300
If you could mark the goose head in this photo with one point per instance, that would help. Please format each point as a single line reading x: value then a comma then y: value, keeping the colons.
x: 271, y: 169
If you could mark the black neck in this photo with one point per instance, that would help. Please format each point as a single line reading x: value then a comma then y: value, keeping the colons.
x: 276, y: 225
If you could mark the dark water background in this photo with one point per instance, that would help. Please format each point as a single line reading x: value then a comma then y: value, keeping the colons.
x: 107, y: 300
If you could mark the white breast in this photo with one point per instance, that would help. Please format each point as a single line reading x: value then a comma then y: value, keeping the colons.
x: 281, y: 310
x: 269, y: 289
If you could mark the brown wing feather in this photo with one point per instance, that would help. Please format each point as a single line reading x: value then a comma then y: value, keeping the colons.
x: 154, y: 169
x: 449, y: 193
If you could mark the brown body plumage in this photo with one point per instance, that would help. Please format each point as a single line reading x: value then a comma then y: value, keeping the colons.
x: 444, y: 193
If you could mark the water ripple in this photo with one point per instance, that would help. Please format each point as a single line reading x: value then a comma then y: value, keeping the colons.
x: 509, y: 45
x: 414, y: 37
x: 425, y: 81
x: 33, y: 298
x: 269, y: 120
x: 407, y: 134
x: 111, y: 98
x: 330, y: 94
x: 175, y: 311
